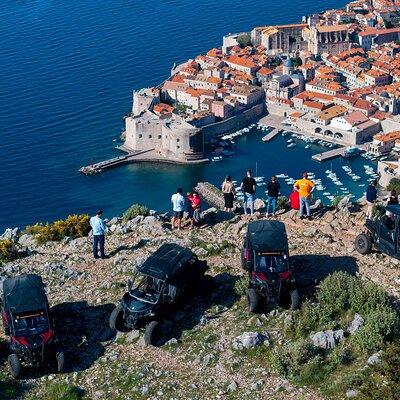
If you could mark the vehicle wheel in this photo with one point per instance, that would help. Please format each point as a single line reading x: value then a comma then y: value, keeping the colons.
x: 6, y: 330
x: 252, y: 300
x: 61, y: 364
x: 15, y: 365
x: 363, y: 243
x: 294, y: 299
x: 151, y: 334
x: 117, y: 319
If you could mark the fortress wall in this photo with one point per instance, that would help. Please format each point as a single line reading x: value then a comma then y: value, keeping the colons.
x: 233, y: 123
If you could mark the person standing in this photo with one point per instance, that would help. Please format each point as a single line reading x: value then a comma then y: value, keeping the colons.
x: 249, y: 188
x: 273, y: 189
x: 371, y: 195
x: 196, y: 208
x: 178, y: 206
x: 392, y: 199
x: 305, y: 187
x: 98, y: 229
x: 229, y: 193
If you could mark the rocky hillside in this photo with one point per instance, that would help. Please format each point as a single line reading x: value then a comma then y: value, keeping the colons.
x: 215, y: 349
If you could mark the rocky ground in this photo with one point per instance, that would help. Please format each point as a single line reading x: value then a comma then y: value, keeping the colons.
x: 202, y: 357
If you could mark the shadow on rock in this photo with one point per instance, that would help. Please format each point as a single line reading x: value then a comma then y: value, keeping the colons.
x: 208, y: 302
x: 137, y: 246
x: 309, y: 270
x: 82, y: 329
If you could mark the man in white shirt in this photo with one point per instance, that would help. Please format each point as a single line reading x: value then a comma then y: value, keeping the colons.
x: 98, y: 229
x: 178, y: 206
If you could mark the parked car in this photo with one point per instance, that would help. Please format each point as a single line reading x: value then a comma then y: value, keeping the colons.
x: 26, y: 320
x: 265, y: 255
x: 381, y: 233
x: 158, y: 284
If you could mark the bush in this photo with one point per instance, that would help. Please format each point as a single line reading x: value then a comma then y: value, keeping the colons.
x: 384, y: 381
x: 394, y: 184
x: 311, y: 318
x: 244, y: 40
x: 62, y: 391
x: 366, y: 297
x: 241, y: 286
x: 334, y: 291
x: 378, y: 328
x: 135, y: 210
x: 289, y: 359
x: 337, y: 199
x: 283, y: 203
x: 8, y: 250
x: 73, y: 226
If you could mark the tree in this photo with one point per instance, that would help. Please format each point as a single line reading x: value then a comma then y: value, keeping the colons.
x: 394, y: 184
x: 244, y: 39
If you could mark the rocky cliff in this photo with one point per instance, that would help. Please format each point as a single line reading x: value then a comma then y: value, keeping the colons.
x: 216, y: 349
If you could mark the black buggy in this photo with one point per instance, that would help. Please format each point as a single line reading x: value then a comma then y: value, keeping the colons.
x: 26, y: 319
x: 265, y: 255
x: 158, y: 284
x: 382, y: 233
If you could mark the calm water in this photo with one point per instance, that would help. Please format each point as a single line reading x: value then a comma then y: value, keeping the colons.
x: 67, y: 70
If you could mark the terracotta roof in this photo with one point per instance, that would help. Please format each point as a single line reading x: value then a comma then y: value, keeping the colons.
x: 314, y: 104
x: 241, y: 61
x: 356, y: 118
x: 265, y: 71
x: 386, y: 137
x: 331, y: 28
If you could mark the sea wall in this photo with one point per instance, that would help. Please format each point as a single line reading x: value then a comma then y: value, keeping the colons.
x: 234, y: 123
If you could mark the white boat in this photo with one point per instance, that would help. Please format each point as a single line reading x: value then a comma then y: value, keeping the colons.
x: 291, y: 145
x: 307, y: 147
x: 216, y: 158
x: 326, y: 193
x: 289, y: 141
x: 259, y: 178
x: 282, y: 176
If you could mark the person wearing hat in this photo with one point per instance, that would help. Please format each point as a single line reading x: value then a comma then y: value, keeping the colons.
x: 304, y: 187
x: 98, y: 229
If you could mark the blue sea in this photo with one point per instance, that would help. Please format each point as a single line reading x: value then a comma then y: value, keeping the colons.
x: 67, y: 71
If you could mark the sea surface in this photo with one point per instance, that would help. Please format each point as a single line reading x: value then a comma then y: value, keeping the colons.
x: 67, y: 71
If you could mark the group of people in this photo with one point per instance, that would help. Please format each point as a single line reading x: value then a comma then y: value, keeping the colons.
x: 192, y: 204
x: 300, y: 198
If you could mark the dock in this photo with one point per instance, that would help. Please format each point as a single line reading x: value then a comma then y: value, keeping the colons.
x: 271, y: 135
x: 327, y: 155
x: 151, y: 155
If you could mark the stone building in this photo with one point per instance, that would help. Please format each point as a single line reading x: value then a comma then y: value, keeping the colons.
x: 331, y: 39
x: 286, y: 39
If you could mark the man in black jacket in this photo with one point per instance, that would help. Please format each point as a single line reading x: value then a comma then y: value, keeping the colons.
x: 273, y: 189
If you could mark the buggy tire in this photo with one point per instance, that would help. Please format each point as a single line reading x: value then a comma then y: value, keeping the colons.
x: 363, y: 243
x: 252, y: 300
x: 151, y: 333
x: 116, y: 321
x: 294, y: 299
x: 6, y: 330
x: 15, y: 365
x: 61, y: 363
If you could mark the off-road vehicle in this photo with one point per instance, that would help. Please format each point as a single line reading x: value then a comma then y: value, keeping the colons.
x: 265, y: 255
x: 157, y: 285
x: 26, y: 320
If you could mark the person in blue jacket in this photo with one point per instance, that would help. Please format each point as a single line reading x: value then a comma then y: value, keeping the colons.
x: 372, y: 195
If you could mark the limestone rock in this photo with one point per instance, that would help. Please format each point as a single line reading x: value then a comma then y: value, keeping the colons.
x: 26, y: 240
x: 327, y: 339
x: 248, y: 340
x: 375, y: 358
x: 356, y: 324
x: 10, y: 233
x: 259, y: 204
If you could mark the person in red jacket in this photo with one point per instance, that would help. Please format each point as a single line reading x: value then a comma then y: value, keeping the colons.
x: 195, y: 206
x: 294, y: 200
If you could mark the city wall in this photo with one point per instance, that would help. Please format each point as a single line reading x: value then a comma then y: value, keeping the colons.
x: 233, y: 123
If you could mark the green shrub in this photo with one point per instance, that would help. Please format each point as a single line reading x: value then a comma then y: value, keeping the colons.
x: 289, y: 359
x: 135, y: 210
x: 283, y: 203
x: 334, y: 291
x: 337, y: 199
x: 73, y: 226
x: 378, y: 328
x: 384, y: 381
x: 62, y: 391
x: 8, y: 250
x: 244, y: 40
x: 366, y: 296
x: 241, y: 286
x: 310, y: 318
x: 394, y: 184
x: 315, y: 371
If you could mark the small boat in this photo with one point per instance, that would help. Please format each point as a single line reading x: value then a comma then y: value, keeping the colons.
x: 307, y: 147
x: 216, y: 158
x: 291, y: 145
x: 259, y: 178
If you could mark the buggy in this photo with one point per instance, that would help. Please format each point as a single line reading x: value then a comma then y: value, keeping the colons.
x: 26, y: 319
x: 158, y: 284
x: 381, y: 233
x: 265, y: 255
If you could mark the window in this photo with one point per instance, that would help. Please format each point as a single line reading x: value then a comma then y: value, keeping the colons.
x: 140, y: 136
x: 178, y: 140
x: 178, y: 147
x: 159, y: 136
x: 150, y: 136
